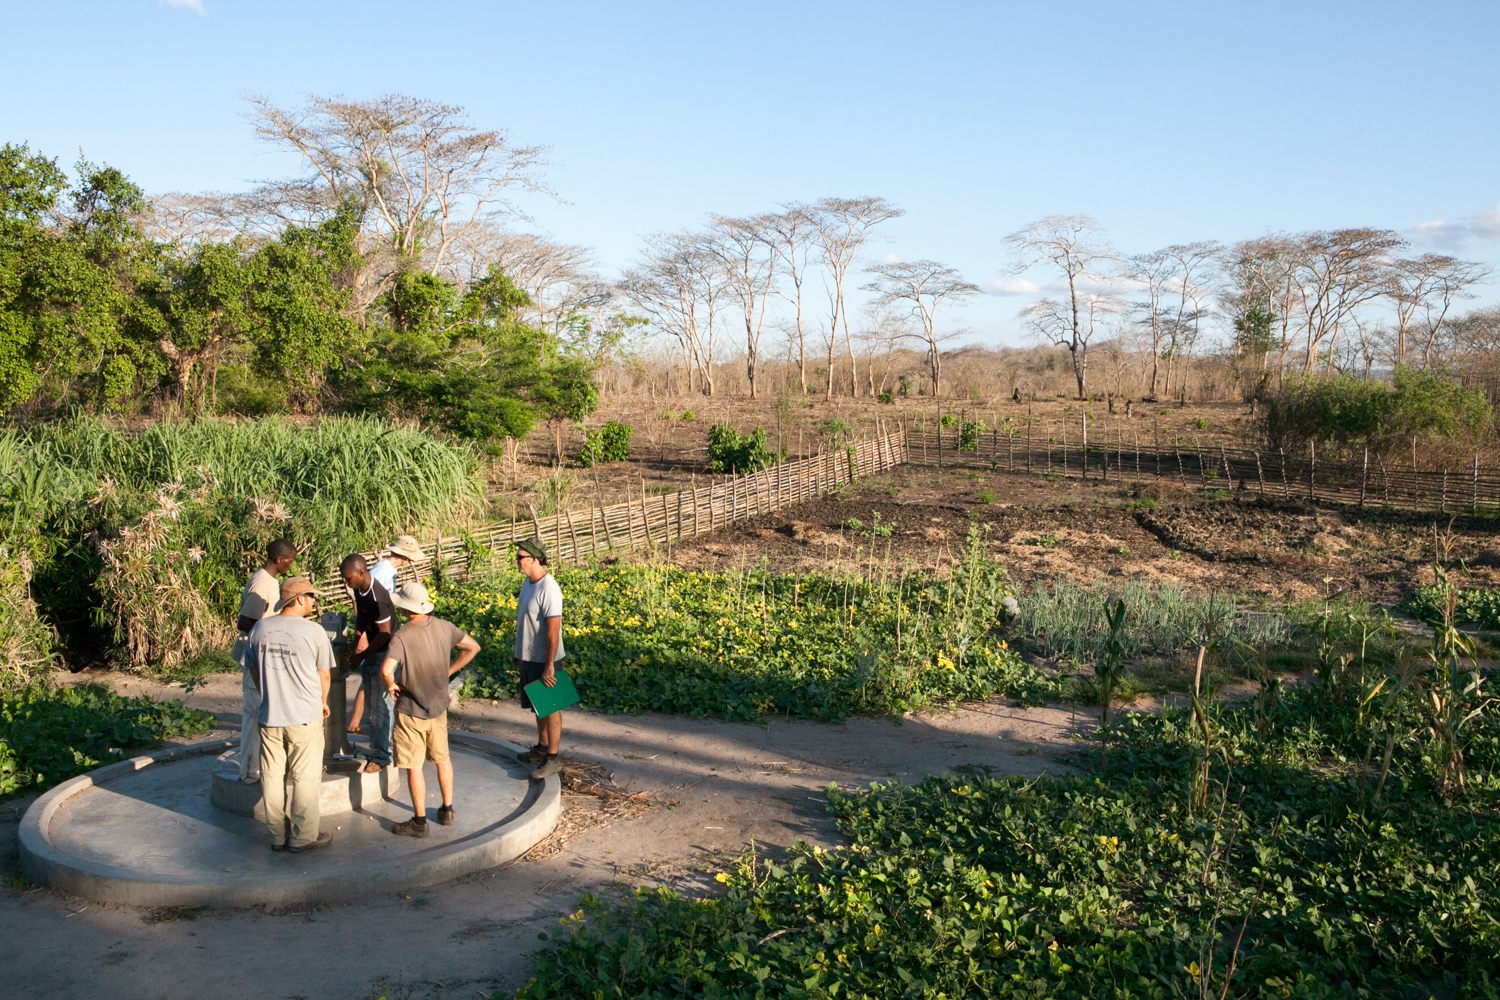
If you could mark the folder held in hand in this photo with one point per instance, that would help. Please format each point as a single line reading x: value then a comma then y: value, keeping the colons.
x: 547, y: 700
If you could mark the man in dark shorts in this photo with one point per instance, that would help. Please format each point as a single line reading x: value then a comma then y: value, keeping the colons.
x: 423, y: 649
x: 539, y: 646
x: 374, y: 619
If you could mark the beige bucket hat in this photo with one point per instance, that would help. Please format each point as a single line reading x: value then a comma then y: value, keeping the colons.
x: 407, y: 547
x: 412, y: 596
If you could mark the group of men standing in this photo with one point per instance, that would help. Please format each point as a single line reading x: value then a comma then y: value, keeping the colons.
x: 406, y: 668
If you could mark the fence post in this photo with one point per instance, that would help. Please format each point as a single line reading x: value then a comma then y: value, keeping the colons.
x: 1028, y: 433
x: 1135, y: 437
x: 1260, y: 475
x: 939, y: 430
x: 1443, y: 503
x: 1474, y: 501
x: 1177, y: 447
x: 1156, y: 446
x: 437, y: 557
x: 1228, y: 475
x: 1084, y: 454
x: 1385, y: 483
x: 1416, y: 491
x: 1312, y: 471
x: 1286, y: 490
x: 1364, y: 476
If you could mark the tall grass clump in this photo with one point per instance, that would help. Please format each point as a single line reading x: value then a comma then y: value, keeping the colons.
x: 1066, y: 621
x: 141, y: 541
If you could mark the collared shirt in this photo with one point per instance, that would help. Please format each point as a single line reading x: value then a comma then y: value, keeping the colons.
x: 385, y: 572
x: 372, y: 607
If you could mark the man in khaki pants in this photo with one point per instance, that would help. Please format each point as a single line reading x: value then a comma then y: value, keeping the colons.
x: 289, y: 658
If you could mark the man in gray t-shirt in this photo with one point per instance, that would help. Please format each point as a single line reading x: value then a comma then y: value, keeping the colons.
x: 289, y: 658
x: 539, y: 646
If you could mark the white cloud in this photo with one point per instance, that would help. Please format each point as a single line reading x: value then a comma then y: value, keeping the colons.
x: 1018, y: 286
x: 1441, y: 234
x: 891, y: 258
x: 193, y: 4
x: 1486, y: 224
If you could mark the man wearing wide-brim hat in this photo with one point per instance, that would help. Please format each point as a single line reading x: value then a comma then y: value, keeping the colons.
x: 404, y: 551
x: 538, y: 647
x: 290, y: 658
x: 423, y: 650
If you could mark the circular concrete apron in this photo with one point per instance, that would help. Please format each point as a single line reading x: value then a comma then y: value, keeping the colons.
x: 143, y: 832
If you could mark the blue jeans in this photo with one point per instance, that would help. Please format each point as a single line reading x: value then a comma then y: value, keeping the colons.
x: 382, y: 716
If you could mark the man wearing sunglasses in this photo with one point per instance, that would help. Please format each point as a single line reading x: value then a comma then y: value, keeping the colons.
x: 539, y: 646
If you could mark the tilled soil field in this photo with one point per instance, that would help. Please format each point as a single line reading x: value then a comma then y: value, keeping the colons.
x: 1047, y: 530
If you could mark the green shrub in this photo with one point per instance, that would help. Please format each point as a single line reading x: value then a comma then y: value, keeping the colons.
x: 1476, y: 605
x: 48, y: 735
x: 949, y: 420
x: 969, y: 434
x: 610, y: 443
x: 985, y: 496
x: 729, y: 451
x: 886, y: 397
x: 1345, y: 411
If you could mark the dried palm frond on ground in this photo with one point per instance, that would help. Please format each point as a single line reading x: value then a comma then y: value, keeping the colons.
x: 590, y: 801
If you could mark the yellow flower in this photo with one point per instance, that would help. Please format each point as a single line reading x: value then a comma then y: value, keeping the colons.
x: 721, y: 877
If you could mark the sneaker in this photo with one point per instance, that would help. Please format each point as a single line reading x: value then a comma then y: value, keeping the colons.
x: 445, y: 816
x: 549, y: 767
x: 535, y: 755
x: 411, y: 828
x: 324, y: 839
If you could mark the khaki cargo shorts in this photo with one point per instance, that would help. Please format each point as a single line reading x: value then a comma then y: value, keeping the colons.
x: 414, y: 740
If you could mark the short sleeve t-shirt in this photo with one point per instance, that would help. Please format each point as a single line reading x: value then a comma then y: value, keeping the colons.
x: 385, y: 572
x: 373, y: 606
x: 286, y: 653
x: 424, y: 650
x: 537, y: 602
x: 260, y: 596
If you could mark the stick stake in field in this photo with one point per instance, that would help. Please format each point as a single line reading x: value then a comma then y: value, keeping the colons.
x: 1364, y: 476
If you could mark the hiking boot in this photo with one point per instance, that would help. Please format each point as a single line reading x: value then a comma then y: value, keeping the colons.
x: 411, y: 828
x: 535, y: 755
x: 278, y: 847
x: 445, y: 816
x: 324, y: 839
x: 549, y: 767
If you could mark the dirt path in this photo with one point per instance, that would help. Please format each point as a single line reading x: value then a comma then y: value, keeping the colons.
x: 729, y: 784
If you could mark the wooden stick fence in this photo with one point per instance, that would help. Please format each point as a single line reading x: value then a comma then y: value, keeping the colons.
x: 1108, y: 458
x: 652, y: 520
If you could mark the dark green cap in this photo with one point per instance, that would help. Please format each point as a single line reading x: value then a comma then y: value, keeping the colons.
x: 533, y: 547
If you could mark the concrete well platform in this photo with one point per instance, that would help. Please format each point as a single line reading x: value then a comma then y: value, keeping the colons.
x: 144, y: 832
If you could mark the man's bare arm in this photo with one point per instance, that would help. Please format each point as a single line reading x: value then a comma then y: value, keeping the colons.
x: 326, y: 684
x: 468, y: 649
x: 388, y: 674
x: 554, y: 639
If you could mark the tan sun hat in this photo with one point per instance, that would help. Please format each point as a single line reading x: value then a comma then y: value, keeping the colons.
x: 412, y: 596
x: 407, y: 547
x: 292, y: 589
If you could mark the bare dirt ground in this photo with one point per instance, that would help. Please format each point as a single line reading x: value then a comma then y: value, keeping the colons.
x: 717, y: 788
x: 1044, y: 530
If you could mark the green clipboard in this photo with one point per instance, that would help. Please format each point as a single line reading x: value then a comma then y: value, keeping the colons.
x: 547, y: 700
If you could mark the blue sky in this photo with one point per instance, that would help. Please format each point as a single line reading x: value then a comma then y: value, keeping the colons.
x: 1165, y: 122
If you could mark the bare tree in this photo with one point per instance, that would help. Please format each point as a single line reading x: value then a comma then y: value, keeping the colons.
x: 794, y: 231
x: 1426, y: 286
x: 419, y: 174
x: 678, y: 285
x: 843, y: 227
x: 1073, y: 325
x: 1075, y: 245
x: 557, y: 277
x: 1261, y: 278
x: 747, y: 254
x: 1338, y: 272
x: 922, y: 286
